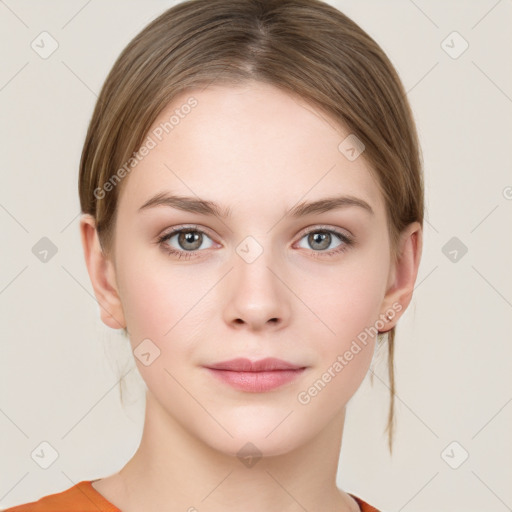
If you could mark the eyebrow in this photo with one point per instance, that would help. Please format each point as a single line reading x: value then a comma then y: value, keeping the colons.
x: 205, y: 207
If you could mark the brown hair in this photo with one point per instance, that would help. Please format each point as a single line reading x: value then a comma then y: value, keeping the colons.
x: 304, y: 47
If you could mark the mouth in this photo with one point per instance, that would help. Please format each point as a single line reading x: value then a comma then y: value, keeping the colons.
x: 255, y: 376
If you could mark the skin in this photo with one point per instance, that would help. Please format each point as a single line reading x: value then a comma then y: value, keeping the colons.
x: 258, y: 151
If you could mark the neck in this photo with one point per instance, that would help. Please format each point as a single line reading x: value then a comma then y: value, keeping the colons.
x: 174, y: 470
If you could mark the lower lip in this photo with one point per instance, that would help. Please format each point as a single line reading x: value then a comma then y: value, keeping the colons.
x: 257, y: 382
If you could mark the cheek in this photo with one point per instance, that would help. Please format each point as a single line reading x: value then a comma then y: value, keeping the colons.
x: 347, y: 306
x: 144, y: 300
x: 347, y: 309
x: 161, y: 310
x: 355, y: 307
x: 162, y: 301
x: 346, y: 300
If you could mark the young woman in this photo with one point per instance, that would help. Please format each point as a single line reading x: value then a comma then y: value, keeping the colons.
x: 252, y: 201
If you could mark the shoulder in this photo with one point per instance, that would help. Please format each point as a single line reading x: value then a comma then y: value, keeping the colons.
x: 365, y: 507
x: 81, y: 497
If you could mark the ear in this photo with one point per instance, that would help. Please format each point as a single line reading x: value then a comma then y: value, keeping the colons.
x: 402, y: 275
x: 102, y: 274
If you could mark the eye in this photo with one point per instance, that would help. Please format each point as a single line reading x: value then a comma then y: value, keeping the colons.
x: 321, y: 240
x: 185, y: 242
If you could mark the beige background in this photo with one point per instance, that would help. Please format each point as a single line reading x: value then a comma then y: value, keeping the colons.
x: 60, y: 365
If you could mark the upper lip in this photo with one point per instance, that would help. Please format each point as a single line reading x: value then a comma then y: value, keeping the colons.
x: 246, y: 365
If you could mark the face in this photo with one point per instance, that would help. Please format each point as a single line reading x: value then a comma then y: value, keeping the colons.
x: 259, y: 278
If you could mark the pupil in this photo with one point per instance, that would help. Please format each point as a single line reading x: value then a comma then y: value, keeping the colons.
x: 322, y: 239
x: 189, y: 238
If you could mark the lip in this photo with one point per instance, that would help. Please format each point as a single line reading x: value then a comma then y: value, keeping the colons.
x: 242, y: 364
x: 255, y: 376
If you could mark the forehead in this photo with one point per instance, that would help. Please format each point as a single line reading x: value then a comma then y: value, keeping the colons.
x: 251, y: 144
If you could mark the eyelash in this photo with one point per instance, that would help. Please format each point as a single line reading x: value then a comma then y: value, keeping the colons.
x: 347, y: 242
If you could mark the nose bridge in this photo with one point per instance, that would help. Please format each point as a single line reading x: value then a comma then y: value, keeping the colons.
x: 254, y: 259
x: 257, y: 295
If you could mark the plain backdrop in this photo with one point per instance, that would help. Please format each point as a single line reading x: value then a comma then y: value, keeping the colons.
x: 60, y: 366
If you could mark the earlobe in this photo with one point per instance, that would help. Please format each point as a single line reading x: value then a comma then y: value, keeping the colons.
x: 403, y: 275
x: 102, y: 275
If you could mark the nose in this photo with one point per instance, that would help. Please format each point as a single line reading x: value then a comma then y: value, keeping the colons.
x: 257, y: 297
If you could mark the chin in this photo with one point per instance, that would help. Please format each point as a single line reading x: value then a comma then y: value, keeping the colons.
x: 253, y: 439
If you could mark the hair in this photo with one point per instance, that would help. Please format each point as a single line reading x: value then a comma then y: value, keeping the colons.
x: 303, y: 47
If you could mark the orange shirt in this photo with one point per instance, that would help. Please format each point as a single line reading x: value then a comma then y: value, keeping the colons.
x: 83, y: 497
